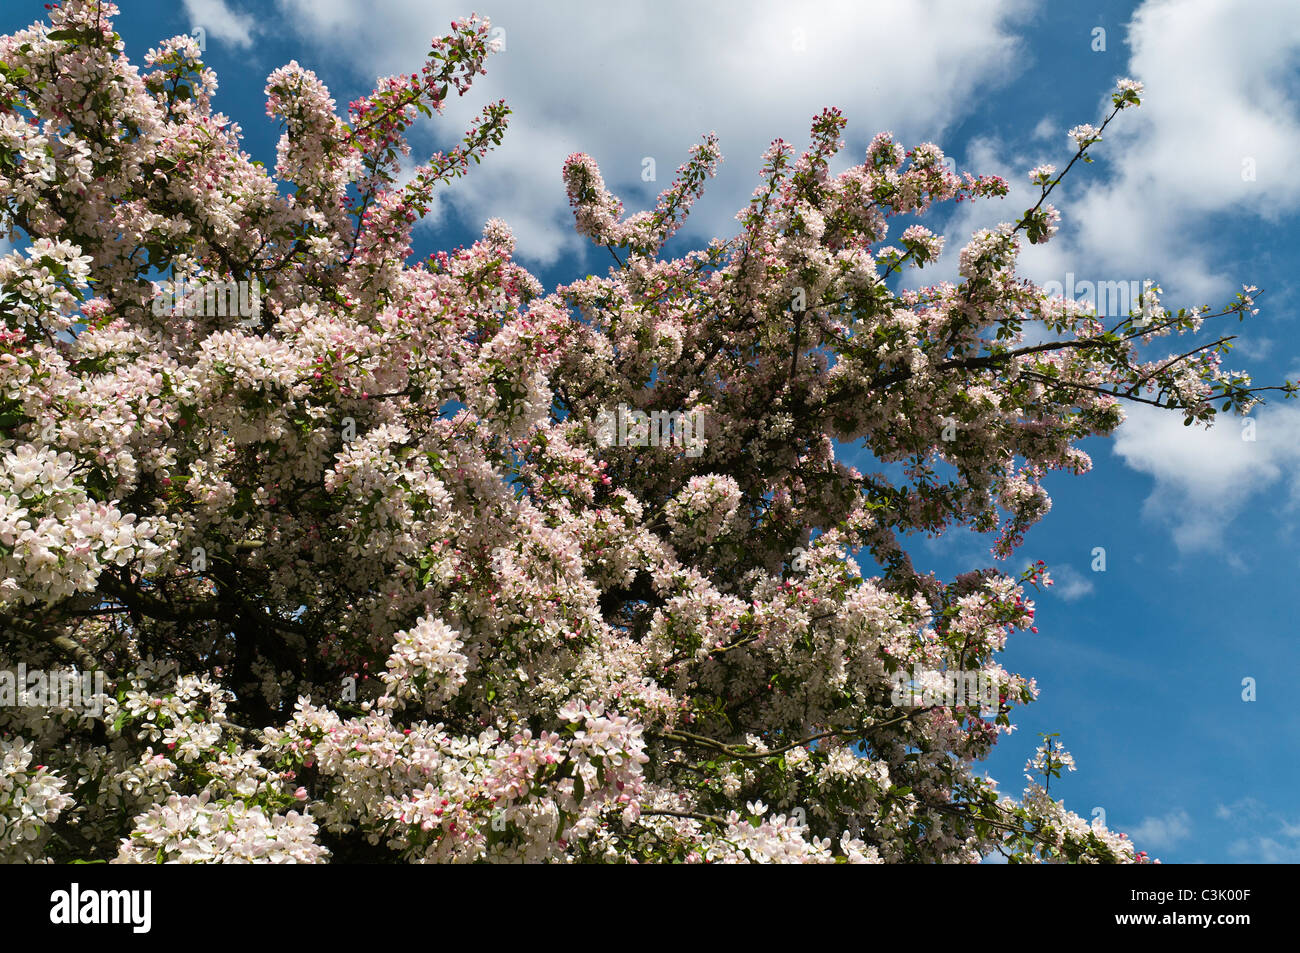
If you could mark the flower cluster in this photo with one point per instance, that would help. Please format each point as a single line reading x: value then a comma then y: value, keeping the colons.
x: 426, y: 663
x: 31, y: 796
x: 703, y: 508
x: 196, y: 830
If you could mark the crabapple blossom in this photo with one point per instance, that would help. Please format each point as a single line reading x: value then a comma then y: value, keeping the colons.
x: 1084, y: 134
x: 416, y: 608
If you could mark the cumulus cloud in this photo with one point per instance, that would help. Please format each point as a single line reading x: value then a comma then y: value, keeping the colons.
x: 650, y: 81
x: 1268, y: 837
x: 1265, y: 850
x: 1204, y: 477
x: 1162, y: 833
x: 1070, y: 584
x: 221, y: 22
x: 1245, y: 811
x: 1217, y: 132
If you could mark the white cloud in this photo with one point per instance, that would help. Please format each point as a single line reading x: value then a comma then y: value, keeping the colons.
x: 1253, y: 816
x: 649, y: 81
x: 1281, y: 848
x: 1047, y: 129
x: 1255, y: 349
x: 1246, y: 810
x: 221, y: 22
x: 1220, y: 103
x: 1069, y: 584
x: 1265, y: 850
x: 1204, y: 477
x: 1162, y: 833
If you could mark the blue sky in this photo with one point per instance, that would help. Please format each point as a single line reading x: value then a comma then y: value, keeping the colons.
x: 1140, y: 666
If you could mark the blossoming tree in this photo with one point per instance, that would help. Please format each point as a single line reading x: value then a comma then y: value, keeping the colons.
x: 363, y: 581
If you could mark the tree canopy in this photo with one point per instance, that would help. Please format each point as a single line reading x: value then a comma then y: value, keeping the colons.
x: 361, y: 573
